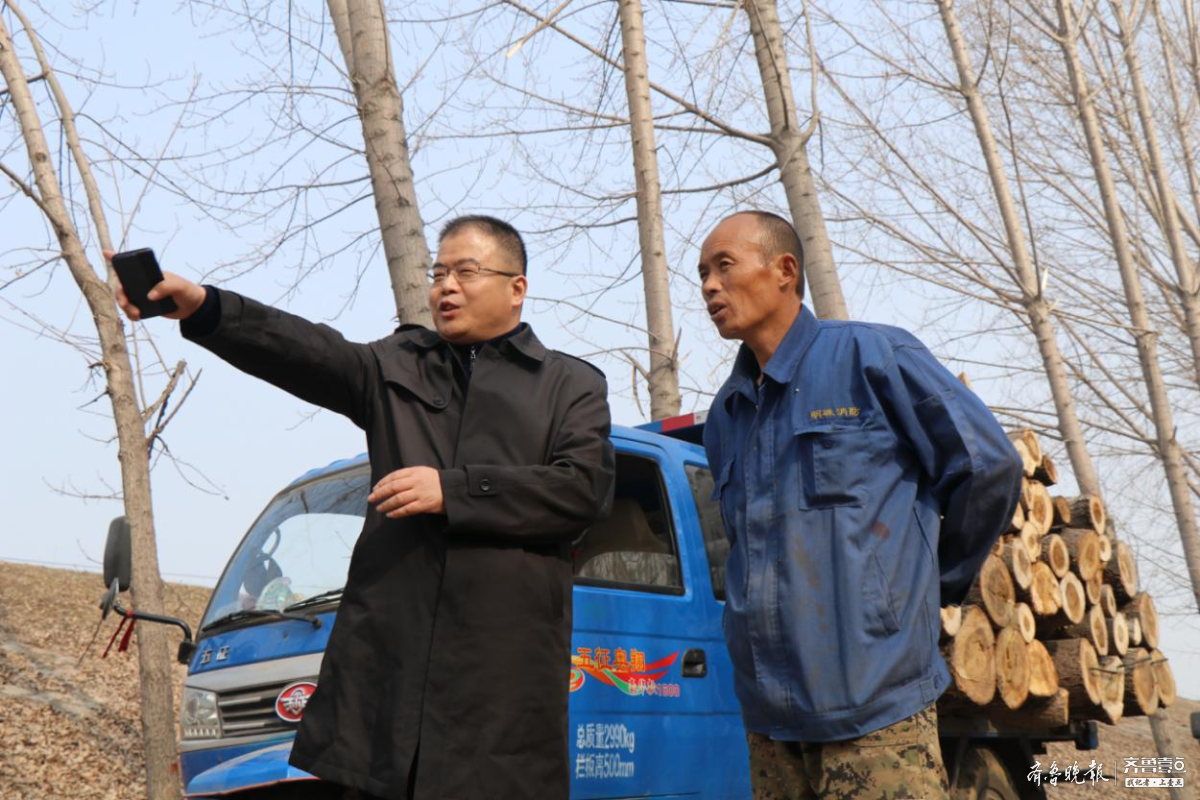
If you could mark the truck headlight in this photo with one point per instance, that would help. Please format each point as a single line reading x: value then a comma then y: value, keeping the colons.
x: 199, y: 717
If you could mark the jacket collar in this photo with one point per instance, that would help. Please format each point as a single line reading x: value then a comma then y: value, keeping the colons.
x: 784, y: 361
x: 522, y: 339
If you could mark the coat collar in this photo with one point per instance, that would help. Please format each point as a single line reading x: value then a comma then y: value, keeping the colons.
x: 784, y: 361
x: 523, y: 340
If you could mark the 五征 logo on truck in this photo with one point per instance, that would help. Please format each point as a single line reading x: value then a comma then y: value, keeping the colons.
x: 292, y: 700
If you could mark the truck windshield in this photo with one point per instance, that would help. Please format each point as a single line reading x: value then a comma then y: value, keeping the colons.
x: 298, y: 548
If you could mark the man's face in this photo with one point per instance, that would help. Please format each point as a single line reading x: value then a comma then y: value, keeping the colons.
x: 740, y: 284
x: 481, y: 309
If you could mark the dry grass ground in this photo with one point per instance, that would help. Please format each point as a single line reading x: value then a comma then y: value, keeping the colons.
x: 71, y: 730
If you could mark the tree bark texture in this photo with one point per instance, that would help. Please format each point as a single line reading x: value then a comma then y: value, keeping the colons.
x: 663, y: 378
x: 363, y: 38
x: 789, y: 143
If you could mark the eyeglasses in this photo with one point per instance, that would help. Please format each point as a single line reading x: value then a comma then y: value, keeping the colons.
x: 464, y: 273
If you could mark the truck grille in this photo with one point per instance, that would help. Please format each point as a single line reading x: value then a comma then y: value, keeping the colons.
x: 247, y: 712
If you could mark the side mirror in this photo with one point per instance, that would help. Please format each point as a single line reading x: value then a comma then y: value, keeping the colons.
x: 187, y: 649
x: 118, y: 563
x: 109, y: 598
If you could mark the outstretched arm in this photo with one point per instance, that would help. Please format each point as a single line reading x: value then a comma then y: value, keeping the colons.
x: 313, y: 362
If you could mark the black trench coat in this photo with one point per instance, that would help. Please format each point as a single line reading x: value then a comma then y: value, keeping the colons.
x: 452, y: 643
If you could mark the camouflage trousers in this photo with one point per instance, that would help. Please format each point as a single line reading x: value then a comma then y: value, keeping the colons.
x: 899, y: 762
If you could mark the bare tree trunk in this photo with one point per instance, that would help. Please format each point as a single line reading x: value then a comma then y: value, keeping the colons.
x: 1147, y: 338
x: 1147, y: 344
x: 789, y: 143
x: 1031, y: 292
x: 1189, y: 289
x: 363, y: 38
x: 1183, y: 130
x: 663, y: 378
x: 158, y: 719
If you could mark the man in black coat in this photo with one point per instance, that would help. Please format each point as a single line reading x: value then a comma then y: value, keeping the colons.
x: 446, y: 672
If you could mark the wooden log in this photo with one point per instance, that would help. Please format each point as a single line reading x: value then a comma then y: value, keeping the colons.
x: 1025, y: 621
x: 1108, y: 601
x: 1043, y: 677
x: 999, y: 544
x: 1012, y: 668
x: 1038, y: 713
x: 1112, y: 688
x: 1141, y: 690
x: 1028, y: 464
x: 1164, y: 676
x: 971, y: 658
x: 1044, y: 594
x: 1121, y: 573
x: 1087, y: 511
x: 1141, y: 608
x: 1075, y: 662
x: 1046, y: 472
x: 1062, y: 511
x: 1118, y: 633
x: 994, y: 590
x: 1106, y: 548
x: 1040, y: 508
x: 1018, y: 520
x: 1093, y: 627
x: 1074, y: 599
x: 1016, y: 558
x: 951, y: 621
x: 1083, y: 544
x: 1031, y: 537
x: 1026, y: 495
x: 1029, y: 440
x: 1056, y: 554
x: 1094, y: 587
x: 1135, y: 632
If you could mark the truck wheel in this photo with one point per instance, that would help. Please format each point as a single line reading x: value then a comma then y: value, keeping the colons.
x: 982, y: 776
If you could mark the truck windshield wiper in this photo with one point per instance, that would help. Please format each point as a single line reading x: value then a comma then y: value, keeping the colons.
x: 251, y: 613
x: 317, y: 599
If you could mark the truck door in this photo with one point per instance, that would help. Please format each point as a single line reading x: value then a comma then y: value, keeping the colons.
x: 647, y: 715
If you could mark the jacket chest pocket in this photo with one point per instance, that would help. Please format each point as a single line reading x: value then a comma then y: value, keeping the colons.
x: 834, y: 464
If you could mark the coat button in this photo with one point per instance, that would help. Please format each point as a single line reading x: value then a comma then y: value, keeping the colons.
x: 485, y: 485
x: 439, y: 401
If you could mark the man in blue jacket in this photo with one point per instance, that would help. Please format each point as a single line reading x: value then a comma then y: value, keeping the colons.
x: 862, y: 486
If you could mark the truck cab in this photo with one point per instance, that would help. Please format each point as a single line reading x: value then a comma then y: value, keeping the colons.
x: 651, y: 687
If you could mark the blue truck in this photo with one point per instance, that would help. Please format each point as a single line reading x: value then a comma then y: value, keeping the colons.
x: 652, y: 708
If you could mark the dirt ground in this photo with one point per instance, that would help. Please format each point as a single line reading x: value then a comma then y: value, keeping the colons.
x: 70, y: 729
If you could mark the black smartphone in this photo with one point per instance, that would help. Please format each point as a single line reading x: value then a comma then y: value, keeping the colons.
x: 139, y: 273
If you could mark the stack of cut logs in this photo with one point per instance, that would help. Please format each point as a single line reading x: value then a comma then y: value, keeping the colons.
x: 1054, y: 627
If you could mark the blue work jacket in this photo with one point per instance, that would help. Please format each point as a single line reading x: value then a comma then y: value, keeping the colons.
x: 862, y: 486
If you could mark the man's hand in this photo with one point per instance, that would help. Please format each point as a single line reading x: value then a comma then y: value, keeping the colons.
x: 410, y: 491
x: 188, y: 296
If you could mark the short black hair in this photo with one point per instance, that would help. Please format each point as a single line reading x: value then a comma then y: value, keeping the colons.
x: 779, y: 237
x: 504, y: 234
